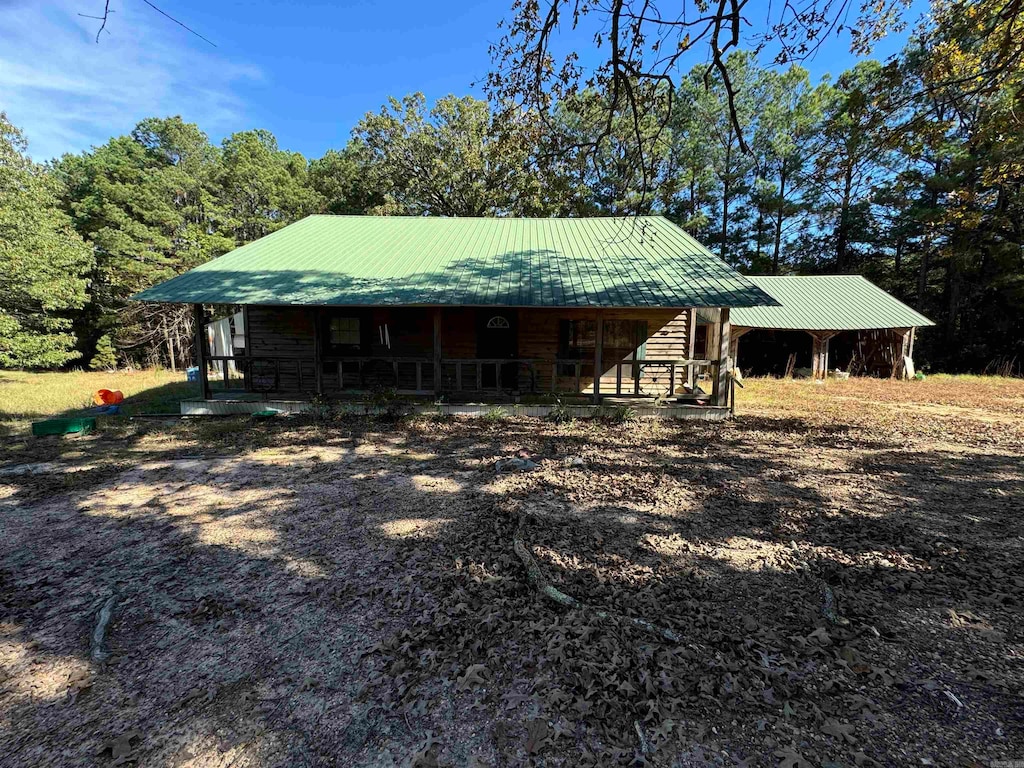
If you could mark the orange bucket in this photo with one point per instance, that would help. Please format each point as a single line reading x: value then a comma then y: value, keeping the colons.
x: 107, y: 397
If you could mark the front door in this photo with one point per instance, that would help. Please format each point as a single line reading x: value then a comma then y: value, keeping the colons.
x: 497, y: 338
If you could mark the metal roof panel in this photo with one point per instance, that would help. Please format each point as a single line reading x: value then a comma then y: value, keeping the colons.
x: 403, y: 260
x: 827, y: 303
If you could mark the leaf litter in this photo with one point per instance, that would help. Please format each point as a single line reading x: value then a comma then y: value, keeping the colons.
x: 843, y: 583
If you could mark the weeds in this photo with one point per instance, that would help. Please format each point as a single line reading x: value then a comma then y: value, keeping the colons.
x: 322, y: 409
x: 561, y: 413
x: 615, y: 414
x: 386, y: 404
x: 440, y: 416
x: 494, y: 415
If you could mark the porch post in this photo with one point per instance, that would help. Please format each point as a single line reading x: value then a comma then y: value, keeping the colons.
x: 199, y: 318
x: 437, y: 351
x: 598, y: 349
x: 247, y: 372
x: 317, y: 357
x: 720, y: 390
x: 691, y: 345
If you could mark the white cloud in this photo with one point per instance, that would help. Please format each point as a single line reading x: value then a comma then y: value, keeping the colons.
x: 69, y: 93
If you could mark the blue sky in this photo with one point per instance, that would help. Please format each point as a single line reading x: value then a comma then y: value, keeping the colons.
x: 306, y: 71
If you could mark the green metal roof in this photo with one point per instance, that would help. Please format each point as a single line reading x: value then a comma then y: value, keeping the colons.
x: 360, y: 260
x: 827, y: 303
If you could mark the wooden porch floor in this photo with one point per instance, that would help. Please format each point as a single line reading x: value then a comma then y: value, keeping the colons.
x: 228, y: 403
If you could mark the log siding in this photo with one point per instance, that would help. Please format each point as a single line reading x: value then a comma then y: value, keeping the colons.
x: 289, y: 334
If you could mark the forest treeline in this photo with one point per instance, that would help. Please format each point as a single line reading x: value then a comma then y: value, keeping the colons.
x: 908, y: 172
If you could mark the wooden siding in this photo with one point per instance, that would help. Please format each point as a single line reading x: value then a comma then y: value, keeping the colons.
x: 288, y: 333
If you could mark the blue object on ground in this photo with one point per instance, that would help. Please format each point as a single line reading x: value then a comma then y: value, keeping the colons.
x: 105, y: 410
x: 192, y: 373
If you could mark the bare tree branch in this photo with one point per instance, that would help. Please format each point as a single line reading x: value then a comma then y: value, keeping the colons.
x: 102, y: 19
x: 644, y: 51
x: 107, y: 12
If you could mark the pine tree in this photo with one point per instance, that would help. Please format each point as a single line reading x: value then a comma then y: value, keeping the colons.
x: 43, y: 262
x: 105, y: 358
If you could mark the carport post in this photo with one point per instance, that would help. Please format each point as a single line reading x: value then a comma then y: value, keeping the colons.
x: 734, y: 347
x: 819, y: 352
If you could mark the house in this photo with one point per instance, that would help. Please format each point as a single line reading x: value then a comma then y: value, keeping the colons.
x: 854, y: 326
x: 466, y: 308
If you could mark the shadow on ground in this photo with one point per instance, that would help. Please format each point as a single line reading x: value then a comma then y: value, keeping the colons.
x: 347, y: 594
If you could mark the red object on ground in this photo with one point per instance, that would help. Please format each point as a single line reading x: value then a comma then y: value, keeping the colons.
x: 107, y: 397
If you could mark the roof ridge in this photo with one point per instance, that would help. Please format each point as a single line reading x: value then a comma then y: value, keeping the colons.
x: 788, y: 277
x: 414, y: 217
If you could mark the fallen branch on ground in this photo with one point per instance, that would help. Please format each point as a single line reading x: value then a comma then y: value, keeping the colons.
x: 556, y: 596
x: 99, y: 652
x: 829, y: 603
x: 829, y: 607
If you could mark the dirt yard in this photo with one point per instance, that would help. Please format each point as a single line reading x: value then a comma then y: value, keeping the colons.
x: 840, y: 565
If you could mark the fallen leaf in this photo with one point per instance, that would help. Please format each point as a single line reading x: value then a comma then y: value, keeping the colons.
x: 476, y: 674
x: 841, y: 731
x: 536, y: 735
x: 790, y: 758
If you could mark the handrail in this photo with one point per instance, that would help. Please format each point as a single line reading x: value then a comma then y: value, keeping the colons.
x: 293, y: 365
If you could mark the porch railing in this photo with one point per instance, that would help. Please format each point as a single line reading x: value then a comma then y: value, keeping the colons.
x: 678, y: 378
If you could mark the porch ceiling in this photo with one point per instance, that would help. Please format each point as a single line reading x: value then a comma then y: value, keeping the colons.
x: 430, y: 261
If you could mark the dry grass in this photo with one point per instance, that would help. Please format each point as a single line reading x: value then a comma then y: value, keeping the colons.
x: 27, y: 397
x: 299, y: 594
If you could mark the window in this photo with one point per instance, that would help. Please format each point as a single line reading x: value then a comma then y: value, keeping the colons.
x: 576, y: 341
x: 344, y: 332
x: 700, y: 342
x: 626, y: 339
x: 498, y: 322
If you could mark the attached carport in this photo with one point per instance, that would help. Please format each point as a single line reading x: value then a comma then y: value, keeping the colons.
x: 877, y: 330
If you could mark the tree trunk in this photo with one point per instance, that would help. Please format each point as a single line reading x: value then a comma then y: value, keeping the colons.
x: 952, y: 300
x: 898, y: 260
x: 167, y: 339
x: 843, y: 233
x: 725, y: 201
x: 777, y: 245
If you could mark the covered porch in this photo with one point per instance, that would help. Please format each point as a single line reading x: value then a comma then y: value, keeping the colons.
x: 457, y: 354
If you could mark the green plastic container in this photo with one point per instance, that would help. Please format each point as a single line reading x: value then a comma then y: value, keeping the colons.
x: 63, y: 426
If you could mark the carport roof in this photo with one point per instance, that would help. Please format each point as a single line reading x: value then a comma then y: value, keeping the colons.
x: 827, y: 303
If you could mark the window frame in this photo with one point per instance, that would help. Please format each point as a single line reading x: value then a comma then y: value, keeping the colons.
x: 569, y: 351
x: 356, y: 343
